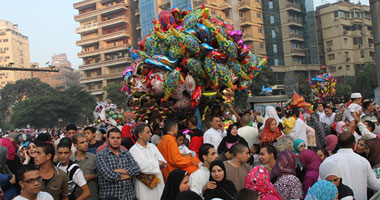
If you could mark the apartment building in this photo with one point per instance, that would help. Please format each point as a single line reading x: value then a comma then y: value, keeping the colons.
x: 105, y: 29
x: 290, y: 36
x: 345, y: 38
x: 66, y: 77
x: 14, y: 52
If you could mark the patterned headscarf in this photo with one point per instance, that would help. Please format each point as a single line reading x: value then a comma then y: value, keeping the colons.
x: 322, y: 190
x: 258, y: 180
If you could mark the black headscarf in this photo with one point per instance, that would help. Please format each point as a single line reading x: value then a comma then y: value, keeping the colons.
x: 320, y: 130
x: 171, y: 189
x: 222, y: 148
x: 225, y: 189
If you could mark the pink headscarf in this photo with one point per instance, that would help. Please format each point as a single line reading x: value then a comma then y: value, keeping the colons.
x: 6, y: 142
x: 258, y: 180
x: 331, y: 142
x: 339, y: 126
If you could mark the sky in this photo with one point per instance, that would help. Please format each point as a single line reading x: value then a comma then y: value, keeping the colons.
x: 49, y: 25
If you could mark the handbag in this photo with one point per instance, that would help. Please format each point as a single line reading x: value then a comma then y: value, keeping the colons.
x: 150, y: 180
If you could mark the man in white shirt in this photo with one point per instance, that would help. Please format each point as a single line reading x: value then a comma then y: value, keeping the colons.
x: 355, y: 170
x: 249, y: 133
x: 150, y: 161
x: 199, y: 182
x: 320, y: 109
x: 29, y: 179
x: 299, y: 129
x: 74, y: 173
x: 328, y: 117
x: 214, y: 135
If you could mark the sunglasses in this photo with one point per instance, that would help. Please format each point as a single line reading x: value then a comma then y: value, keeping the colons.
x: 33, y: 180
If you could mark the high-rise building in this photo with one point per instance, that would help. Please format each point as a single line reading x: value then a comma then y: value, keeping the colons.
x: 245, y: 15
x: 65, y: 78
x: 345, y: 37
x: 290, y: 36
x: 105, y: 31
x: 14, y: 52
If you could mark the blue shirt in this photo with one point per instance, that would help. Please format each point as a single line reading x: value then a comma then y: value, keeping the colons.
x: 110, y: 184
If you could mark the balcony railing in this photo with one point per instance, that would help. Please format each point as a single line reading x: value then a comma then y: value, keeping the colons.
x: 115, y: 35
x: 295, y: 35
x: 297, y: 51
x: 83, y: 3
x: 295, y: 21
x: 86, y: 28
x: 92, y: 14
x: 293, y: 6
x: 113, y: 21
x: 87, y: 41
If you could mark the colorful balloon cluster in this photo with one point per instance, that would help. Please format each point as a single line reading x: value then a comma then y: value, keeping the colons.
x: 323, y: 85
x: 107, y: 114
x: 188, y: 59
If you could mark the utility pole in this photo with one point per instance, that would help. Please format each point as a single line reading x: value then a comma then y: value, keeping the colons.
x: 375, y: 15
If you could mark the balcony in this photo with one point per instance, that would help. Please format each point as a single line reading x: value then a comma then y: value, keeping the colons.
x: 113, y: 75
x: 295, y: 22
x: 84, y: 4
x: 89, y: 53
x: 297, y: 37
x: 115, y: 48
x: 225, y: 6
x: 91, y: 79
x: 113, y: 22
x: 87, y: 28
x: 90, y: 66
x: 293, y: 7
x: 114, y: 8
x: 246, y: 5
x: 248, y: 37
x: 297, y: 51
x: 137, y: 13
x: 246, y: 21
x: 115, y: 35
x: 138, y: 26
x: 88, y: 41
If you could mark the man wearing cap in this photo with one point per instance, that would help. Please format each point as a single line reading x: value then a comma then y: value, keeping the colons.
x: 353, y: 112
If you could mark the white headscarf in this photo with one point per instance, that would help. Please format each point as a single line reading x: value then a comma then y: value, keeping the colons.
x: 328, y: 168
x: 270, y: 112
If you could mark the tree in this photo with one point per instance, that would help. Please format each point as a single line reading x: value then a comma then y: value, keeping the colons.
x: 85, y: 101
x: 116, y: 97
x: 304, y: 88
x: 343, y: 91
x: 365, y: 79
x: 265, y: 77
x: 13, y: 93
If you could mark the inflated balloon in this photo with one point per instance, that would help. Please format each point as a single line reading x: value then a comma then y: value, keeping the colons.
x: 210, y: 71
x: 189, y: 41
x: 203, y: 33
x: 167, y: 38
x: 157, y: 83
x: 323, y: 85
x: 172, y: 82
x: 228, y: 46
x: 107, y: 114
x: 182, y: 103
x: 166, y: 18
x: 196, y: 97
x: 165, y: 60
x: 133, y: 53
x: 206, y: 48
x: 224, y: 75
x: 189, y: 84
x: 237, y: 69
x: 236, y: 35
x: 151, y: 44
x: 178, y: 92
x: 158, y: 64
x: 191, y: 19
x: 195, y: 67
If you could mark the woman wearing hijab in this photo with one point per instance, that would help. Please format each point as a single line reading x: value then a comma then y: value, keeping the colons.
x: 7, y: 178
x: 270, y: 112
x: 322, y: 190
x: 13, y: 161
x: 270, y: 133
x: 298, y: 145
x: 258, y: 180
x: 320, y: 130
x: 310, y: 161
x: 231, y: 139
x: 283, y: 175
x: 329, y: 170
x: 224, y: 189
x: 331, y: 144
x: 178, y: 181
x: 373, y: 154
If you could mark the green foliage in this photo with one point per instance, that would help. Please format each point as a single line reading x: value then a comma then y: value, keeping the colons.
x: 39, y: 105
x: 116, y: 97
x: 304, y: 88
x: 343, y: 91
x: 265, y: 77
x: 365, y: 79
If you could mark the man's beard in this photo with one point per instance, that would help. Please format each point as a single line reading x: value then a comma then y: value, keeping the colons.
x: 114, y: 148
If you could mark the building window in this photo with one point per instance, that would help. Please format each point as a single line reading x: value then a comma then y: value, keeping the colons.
x: 346, y: 54
x: 270, y: 3
x: 276, y: 61
x: 340, y: 68
x: 241, y: 15
x: 258, y: 15
x: 371, y: 54
x: 345, y: 40
x: 370, y: 42
x: 358, y: 40
x: 274, y: 48
x: 333, y: 69
x: 272, y: 19
x: 294, y: 45
x: 362, y: 54
x: 296, y: 60
x: 329, y: 43
x: 347, y: 68
x: 273, y: 34
x: 260, y: 30
x: 213, y: 12
x: 261, y: 45
x: 331, y: 56
x: 5, y: 40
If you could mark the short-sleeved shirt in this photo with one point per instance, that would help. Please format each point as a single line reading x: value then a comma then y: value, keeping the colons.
x: 58, y: 185
x: 92, y: 147
x: 88, y: 166
x: 78, y: 177
x: 353, y: 108
x: 40, y: 196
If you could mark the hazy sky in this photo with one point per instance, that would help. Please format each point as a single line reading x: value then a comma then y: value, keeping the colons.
x: 50, y: 25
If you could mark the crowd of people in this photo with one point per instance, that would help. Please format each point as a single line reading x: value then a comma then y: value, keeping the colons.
x: 284, y: 154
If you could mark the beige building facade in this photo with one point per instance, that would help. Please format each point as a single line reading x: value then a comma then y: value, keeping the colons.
x: 345, y: 37
x: 105, y: 31
x: 66, y: 77
x: 14, y: 52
